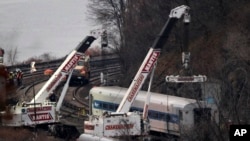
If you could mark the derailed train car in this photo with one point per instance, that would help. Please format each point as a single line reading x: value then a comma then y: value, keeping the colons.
x: 167, y: 114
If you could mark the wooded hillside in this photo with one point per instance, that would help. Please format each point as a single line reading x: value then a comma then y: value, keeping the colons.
x: 219, y: 42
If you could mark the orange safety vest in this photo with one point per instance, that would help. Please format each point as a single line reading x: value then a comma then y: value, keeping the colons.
x: 19, y: 75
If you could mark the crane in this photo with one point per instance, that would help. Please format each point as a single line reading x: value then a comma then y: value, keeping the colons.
x: 40, y: 110
x: 122, y: 122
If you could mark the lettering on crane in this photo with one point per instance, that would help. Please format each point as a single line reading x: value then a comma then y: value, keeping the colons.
x: 38, y: 109
x: 89, y: 127
x: 153, y: 57
x: 135, y: 88
x: 119, y: 126
x: 185, y: 78
x: 71, y: 63
x: 40, y: 116
x: 53, y: 82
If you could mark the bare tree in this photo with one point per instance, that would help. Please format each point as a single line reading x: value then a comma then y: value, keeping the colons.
x: 31, y: 59
x: 12, y: 55
x: 219, y: 37
x: 47, y: 57
x: 109, y: 13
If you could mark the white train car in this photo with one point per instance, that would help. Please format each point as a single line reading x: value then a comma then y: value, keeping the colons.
x: 167, y: 114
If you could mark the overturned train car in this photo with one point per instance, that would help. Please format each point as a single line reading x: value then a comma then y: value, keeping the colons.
x: 167, y: 114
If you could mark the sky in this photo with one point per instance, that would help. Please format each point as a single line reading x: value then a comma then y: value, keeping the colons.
x: 36, y: 27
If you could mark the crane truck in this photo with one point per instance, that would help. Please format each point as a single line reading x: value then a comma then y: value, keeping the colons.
x: 122, y: 122
x: 40, y: 110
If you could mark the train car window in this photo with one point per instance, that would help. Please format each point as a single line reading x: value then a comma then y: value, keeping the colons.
x: 116, y: 106
x: 113, y: 107
x: 133, y: 109
x: 97, y: 104
x: 149, y: 114
x: 105, y: 106
x: 168, y: 118
x: 140, y: 110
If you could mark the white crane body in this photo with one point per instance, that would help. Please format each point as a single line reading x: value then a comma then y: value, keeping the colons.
x: 99, y: 126
x: 64, y: 69
x: 114, y: 125
x: 40, y: 110
x: 139, y: 79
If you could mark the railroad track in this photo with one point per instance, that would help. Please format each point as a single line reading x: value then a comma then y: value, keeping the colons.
x: 75, y: 102
x: 107, y: 63
x: 75, y: 106
x: 26, y: 94
x: 77, y: 97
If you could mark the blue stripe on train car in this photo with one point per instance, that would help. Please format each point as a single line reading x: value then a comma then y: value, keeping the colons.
x: 152, y: 114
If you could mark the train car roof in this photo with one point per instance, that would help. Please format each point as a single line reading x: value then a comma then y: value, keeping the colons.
x: 159, y: 98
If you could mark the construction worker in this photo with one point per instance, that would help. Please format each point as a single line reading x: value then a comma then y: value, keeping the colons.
x: 19, y: 77
x: 11, y: 78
